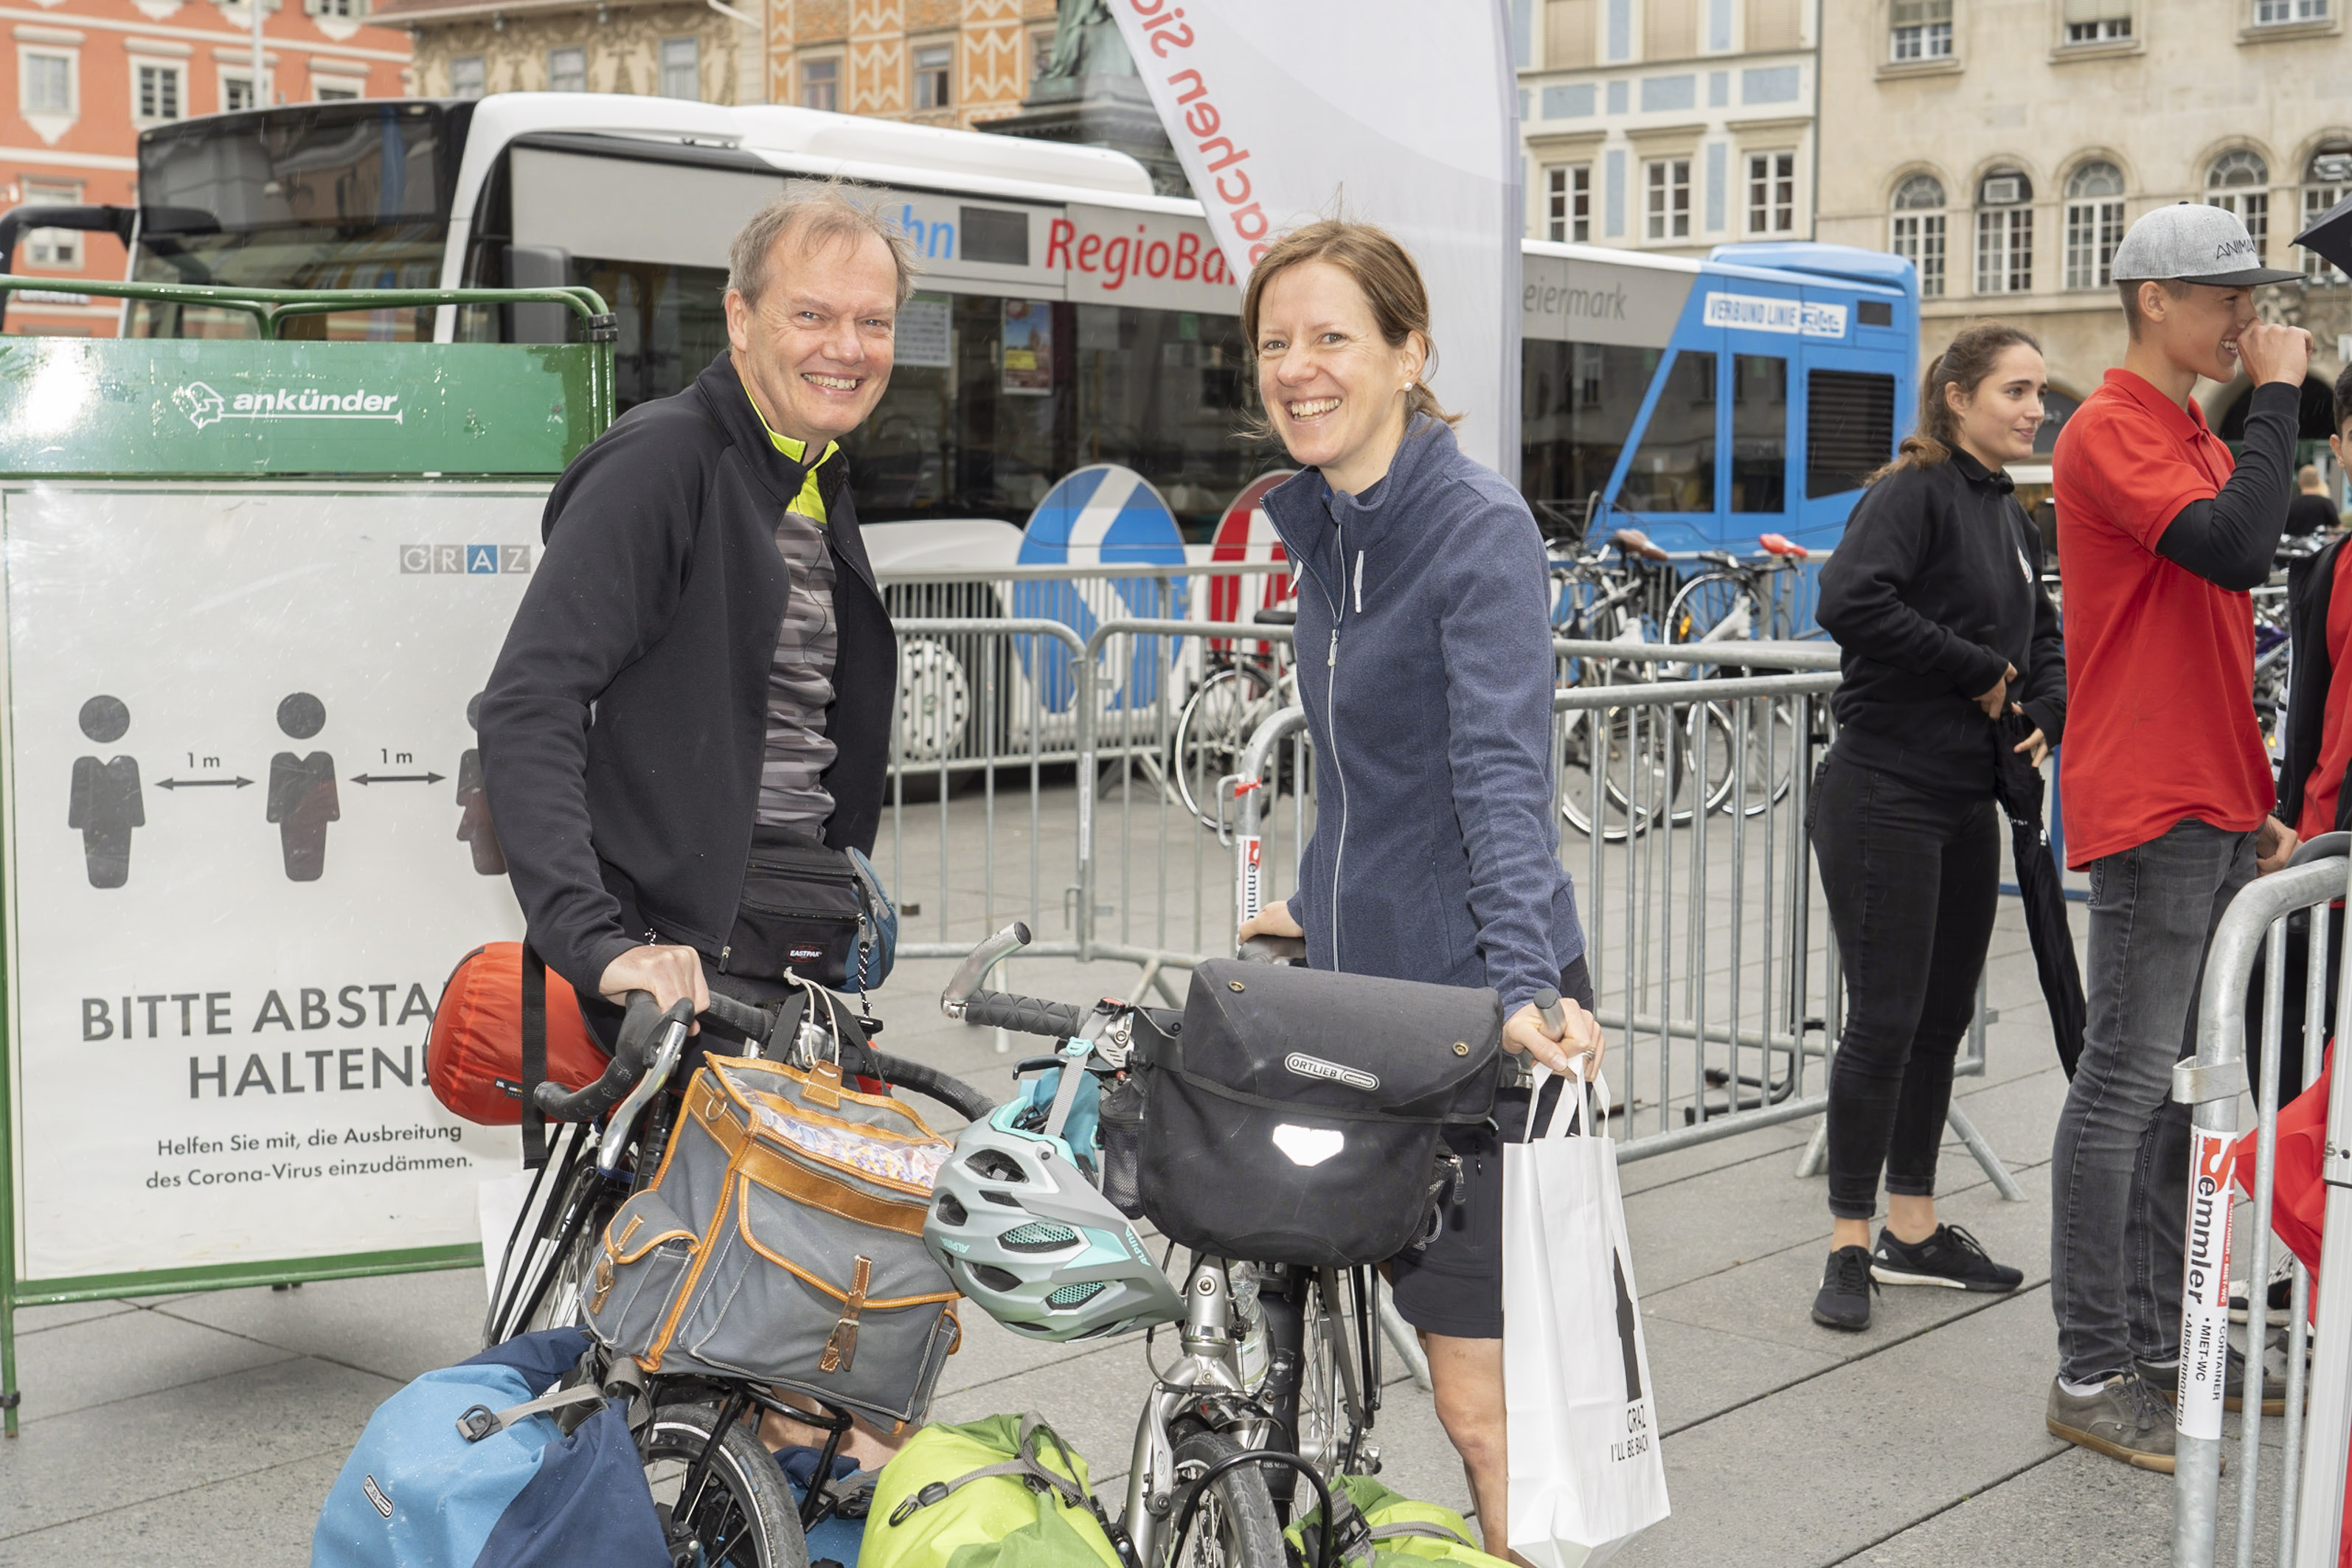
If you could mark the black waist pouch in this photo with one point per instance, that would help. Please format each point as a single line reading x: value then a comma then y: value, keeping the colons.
x: 1295, y: 1116
x: 801, y: 907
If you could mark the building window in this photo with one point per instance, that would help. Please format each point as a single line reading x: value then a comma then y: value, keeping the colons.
x: 49, y: 82
x: 567, y: 69
x: 1668, y: 198
x: 1920, y: 30
x: 820, y: 84
x: 2099, y: 21
x: 2279, y: 13
x: 681, y: 68
x: 337, y: 91
x: 1771, y: 193
x: 1568, y: 202
x: 1918, y: 230
x: 236, y: 91
x: 53, y: 246
x: 159, y: 93
x: 349, y: 10
x: 2005, y: 233
x: 2239, y: 182
x: 2095, y: 224
x: 2326, y: 180
x: 933, y: 65
x: 466, y: 77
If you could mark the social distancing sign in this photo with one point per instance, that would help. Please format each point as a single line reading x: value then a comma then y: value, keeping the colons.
x: 249, y: 842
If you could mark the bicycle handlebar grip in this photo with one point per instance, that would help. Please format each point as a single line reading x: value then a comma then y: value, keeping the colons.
x: 1273, y: 949
x: 644, y: 1025
x: 1024, y: 1015
x: 741, y: 1017
x: 1549, y: 1009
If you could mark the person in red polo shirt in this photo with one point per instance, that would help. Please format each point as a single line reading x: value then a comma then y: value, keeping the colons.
x: 2166, y: 783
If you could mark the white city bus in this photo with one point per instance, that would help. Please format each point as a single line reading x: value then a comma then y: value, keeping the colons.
x: 1713, y: 399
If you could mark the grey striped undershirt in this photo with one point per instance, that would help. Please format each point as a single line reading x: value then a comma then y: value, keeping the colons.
x: 800, y: 684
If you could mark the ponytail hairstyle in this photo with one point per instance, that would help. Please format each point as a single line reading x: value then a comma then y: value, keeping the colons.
x: 1965, y: 364
x: 1382, y: 268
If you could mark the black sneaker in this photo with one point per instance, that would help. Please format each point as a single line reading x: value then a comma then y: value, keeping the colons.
x: 2163, y: 1379
x: 1950, y: 1257
x: 1843, y: 1302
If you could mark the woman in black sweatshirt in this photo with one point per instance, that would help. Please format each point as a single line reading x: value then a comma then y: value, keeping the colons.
x: 1951, y: 651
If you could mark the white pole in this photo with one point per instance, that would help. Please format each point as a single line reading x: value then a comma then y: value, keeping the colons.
x: 256, y: 101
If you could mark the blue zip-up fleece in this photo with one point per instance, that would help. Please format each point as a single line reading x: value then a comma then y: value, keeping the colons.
x: 1425, y: 668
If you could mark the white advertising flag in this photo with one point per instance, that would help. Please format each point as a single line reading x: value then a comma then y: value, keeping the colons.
x: 1397, y: 112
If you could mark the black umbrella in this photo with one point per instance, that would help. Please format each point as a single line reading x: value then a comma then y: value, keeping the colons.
x: 2019, y: 784
x: 2331, y: 236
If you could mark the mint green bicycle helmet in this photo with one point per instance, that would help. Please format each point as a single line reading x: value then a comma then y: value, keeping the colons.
x: 1023, y: 1232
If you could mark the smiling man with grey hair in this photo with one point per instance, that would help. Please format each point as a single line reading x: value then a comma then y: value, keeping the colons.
x: 696, y: 693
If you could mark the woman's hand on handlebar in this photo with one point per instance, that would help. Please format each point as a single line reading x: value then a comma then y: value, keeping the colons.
x: 669, y: 973
x: 1579, y: 1035
x: 1271, y: 920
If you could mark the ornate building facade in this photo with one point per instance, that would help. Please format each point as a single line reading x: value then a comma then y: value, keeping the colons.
x: 2006, y: 145
x: 938, y: 62
x: 709, y: 51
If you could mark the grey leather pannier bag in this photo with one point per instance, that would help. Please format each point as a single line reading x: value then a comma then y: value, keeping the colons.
x: 782, y: 1240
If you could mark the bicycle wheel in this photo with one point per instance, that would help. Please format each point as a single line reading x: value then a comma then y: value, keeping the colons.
x: 1235, y: 1525
x: 1624, y: 765
x: 553, y: 1261
x: 742, y: 1514
x: 1212, y: 730
x: 1759, y: 766
x: 1715, y: 606
x: 1328, y: 1438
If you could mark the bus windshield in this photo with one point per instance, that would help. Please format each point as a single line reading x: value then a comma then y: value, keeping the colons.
x: 329, y: 195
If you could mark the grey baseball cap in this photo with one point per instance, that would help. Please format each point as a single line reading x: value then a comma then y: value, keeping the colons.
x: 2193, y: 243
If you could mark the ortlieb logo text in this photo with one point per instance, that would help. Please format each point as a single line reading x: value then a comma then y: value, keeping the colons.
x: 1306, y: 1066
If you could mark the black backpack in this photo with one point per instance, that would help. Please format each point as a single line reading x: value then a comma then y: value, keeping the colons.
x: 1294, y: 1117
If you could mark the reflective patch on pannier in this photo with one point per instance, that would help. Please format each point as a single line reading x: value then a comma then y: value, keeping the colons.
x: 1308, y: 1145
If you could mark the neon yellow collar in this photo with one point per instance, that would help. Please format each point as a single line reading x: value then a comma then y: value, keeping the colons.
x: 795, y: 450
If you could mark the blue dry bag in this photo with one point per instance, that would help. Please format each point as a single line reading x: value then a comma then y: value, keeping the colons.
x: 418, y: 1492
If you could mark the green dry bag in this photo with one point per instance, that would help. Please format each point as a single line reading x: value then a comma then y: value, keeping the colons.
x: 1395, y: 1531
x: 1005, y: 1492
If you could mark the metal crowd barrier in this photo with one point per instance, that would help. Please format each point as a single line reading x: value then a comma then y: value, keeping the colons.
x: 2314, y: 1444
x: 1712, y: 960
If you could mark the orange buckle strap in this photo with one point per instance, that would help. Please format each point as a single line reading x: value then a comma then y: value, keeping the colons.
x: 841, y: 1347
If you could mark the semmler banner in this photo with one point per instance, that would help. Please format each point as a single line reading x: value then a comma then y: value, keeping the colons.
x: 1398, y: 113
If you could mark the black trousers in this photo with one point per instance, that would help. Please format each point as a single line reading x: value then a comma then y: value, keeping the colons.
x: 1910, y: 876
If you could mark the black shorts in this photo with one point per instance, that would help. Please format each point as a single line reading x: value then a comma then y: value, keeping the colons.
x: 1454, y: 1285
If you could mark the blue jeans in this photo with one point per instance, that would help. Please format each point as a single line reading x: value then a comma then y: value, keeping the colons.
x: 2119, y: 1166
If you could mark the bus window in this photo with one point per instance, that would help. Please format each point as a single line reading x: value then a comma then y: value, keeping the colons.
x: 1673, y: 469
x: 1161, y: 391
x: 672, y: 321
x: 1759, y: 433
x: 1578, y: 405
x: 332, y: 195
x: 1849, y: 429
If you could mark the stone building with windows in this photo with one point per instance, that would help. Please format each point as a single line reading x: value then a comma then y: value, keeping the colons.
x: 705, y: 49
x: 1672, y: 125
x: 92, y: 74
x: 938, y: 62
x: 2005, y: 147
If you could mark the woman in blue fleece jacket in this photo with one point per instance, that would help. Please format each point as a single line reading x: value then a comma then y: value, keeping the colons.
x: 1425, y: 668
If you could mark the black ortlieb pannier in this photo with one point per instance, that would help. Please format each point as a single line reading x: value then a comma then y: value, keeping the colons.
x: 1294, y: 1117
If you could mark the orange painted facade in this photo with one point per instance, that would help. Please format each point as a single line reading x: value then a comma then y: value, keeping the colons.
x: 85, y: 77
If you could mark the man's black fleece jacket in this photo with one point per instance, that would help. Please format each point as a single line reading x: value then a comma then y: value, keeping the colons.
x: 1933, y: 593
x: 623, y: 725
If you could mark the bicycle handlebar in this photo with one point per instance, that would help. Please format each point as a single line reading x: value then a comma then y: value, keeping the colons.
x: 643, y: 1032
x: 1024, y: 1015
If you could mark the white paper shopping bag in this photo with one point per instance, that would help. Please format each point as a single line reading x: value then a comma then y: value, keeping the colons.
x: 1585, y: 1472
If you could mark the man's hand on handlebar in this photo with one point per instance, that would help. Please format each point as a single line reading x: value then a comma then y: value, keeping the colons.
x: 1579, y: 1035
x: 670, y: 973
x: 1271, y: 920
